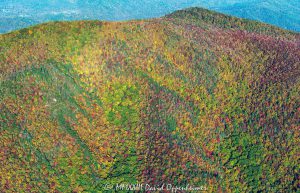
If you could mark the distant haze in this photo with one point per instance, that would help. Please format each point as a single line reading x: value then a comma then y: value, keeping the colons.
x: 16, y: 14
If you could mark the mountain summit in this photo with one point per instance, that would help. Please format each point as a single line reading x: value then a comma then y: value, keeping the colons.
x: 196, y: 99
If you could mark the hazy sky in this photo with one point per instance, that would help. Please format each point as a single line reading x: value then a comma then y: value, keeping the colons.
x: 19, y: 13
x: 103, y: 9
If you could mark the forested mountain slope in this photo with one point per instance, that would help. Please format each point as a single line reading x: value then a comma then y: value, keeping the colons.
x: 195, y: 97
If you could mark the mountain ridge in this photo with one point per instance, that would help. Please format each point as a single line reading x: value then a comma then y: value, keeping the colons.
x: 198, y: 13
x: 195, y: 98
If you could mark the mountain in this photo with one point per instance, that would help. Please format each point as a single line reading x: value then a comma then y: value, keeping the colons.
x: 196, y: 100
x: 15, y: 23
x: 279, y: 12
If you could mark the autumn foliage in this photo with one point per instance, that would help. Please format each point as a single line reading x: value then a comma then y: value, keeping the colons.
x: 194, y: 98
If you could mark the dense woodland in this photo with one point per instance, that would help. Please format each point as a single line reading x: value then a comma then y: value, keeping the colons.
x: 195, y: 97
